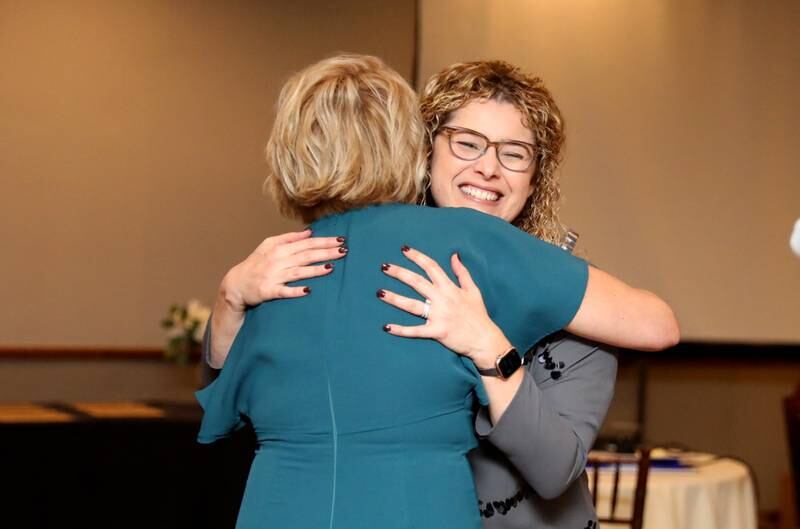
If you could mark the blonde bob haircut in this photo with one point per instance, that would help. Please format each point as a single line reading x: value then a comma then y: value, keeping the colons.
x: 347, y: 134
x: 461, y: 83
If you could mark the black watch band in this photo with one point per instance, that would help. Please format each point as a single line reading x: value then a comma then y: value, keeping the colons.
x: 505, y: 365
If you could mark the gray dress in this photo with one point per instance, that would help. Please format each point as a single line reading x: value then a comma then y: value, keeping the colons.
x: 529, y: 468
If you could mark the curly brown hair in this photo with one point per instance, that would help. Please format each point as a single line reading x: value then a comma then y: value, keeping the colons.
x: 458, y: 84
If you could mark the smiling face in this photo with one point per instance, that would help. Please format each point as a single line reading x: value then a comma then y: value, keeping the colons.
x: 482, y: 184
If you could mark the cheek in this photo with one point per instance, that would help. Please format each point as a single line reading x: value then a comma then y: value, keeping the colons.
x: 522, y: 193
x: 438, y: 189
x: 523, y: 189
x: 440, y: 182
x: 530, y: 191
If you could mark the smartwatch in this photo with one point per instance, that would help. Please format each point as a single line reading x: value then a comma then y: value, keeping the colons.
x: 505, y: 365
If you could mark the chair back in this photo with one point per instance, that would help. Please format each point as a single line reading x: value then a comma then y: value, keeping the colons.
x: 791, y: 411
x: 614, y: 464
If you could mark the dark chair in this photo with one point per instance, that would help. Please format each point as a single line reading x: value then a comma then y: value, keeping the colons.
x: 791, y: 411
x: 613, y: 464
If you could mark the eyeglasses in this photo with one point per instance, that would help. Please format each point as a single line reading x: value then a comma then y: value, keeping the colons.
x: 470, y: 145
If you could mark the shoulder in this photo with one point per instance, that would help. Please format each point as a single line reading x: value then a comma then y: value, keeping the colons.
x: 462, y: 224
x: 463, y: 217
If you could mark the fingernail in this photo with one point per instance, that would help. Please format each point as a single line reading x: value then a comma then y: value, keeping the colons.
x: 380, y: 293
x: 387, y: 328
x: 341, y: 239
x: 307, y: 290
x: 385, y: 267
x: 328, y: 266
x: 458, y: 256
x: 405, y: 248
x: 343, y: 249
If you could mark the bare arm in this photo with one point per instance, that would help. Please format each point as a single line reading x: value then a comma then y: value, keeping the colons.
x: 618, y: 314
x: 611, y: 312
x: 226, y: 320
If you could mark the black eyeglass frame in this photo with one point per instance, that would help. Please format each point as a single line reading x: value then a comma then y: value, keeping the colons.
x: 448, y: 131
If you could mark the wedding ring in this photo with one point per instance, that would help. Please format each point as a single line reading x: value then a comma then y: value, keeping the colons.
x: 427, y: 310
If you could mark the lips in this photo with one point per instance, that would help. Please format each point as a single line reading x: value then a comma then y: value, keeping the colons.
x: 480, y: 194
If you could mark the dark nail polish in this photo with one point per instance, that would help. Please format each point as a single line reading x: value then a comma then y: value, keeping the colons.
x: 387, y: 328
x: 405, y: 248
x: 307, y: 290
x: 385, y: 267
x: 341, y: 239
x: 328, y: 266
x: 380, y: 293
x: 343, y: 249
x: 458, y: 256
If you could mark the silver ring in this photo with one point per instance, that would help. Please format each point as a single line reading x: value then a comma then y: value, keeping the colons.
x: 426, y: 310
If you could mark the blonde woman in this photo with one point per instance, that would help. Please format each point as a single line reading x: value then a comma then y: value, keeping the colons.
x: 357, y: 428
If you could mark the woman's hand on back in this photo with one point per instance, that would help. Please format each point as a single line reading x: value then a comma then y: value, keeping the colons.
x: 263, y: 276
x: 457, y: 317
x: 278, y: 260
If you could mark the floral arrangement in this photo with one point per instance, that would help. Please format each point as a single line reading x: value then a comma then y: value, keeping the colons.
x: 185, y: 326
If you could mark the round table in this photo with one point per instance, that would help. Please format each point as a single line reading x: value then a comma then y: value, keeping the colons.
x: 717, y: 493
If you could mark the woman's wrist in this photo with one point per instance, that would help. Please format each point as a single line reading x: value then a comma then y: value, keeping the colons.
x: 229, y: 298
x: 492, y: 345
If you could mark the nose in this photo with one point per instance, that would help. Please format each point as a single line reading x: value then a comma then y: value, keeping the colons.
x: 488, y: 165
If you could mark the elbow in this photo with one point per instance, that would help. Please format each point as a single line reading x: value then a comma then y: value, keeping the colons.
x: 558, y: 480
x: 213, y: 363
x: 551, y: 491
x: 673, y: 336
x: 666, y: 335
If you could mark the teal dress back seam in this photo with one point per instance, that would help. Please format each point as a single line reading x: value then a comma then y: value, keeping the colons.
x: 361, y: 429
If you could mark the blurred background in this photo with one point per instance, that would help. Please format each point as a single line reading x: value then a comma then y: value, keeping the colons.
x: 131, y: 139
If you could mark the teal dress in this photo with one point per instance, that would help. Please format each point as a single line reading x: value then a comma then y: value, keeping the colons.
x: 359, y: 429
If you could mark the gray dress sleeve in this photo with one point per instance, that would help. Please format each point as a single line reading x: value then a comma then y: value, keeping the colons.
x: 553, y: 419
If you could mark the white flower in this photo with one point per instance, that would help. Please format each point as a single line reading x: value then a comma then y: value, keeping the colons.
x: 196, y: 312
x: 200, y: 330
x: 185, y: 325
x: 175, y: 331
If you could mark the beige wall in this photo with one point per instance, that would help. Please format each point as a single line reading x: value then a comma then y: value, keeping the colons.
x: 131, y: 138
x: 682, y: 119
x: 130, y: 158
x: 681, y: 175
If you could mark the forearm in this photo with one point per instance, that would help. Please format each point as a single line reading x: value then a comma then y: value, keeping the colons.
x: 492, y: 344
x: 618, y: 314
x: 501, y: 393
x: 658, y: 327
x: 226, y: 320
x: 548, y: 427
x: 537, y: 441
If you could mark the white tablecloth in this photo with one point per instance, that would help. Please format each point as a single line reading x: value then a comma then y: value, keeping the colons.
x: 715, y: 495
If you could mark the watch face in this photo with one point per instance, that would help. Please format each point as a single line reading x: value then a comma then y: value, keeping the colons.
x: 509, y: 363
